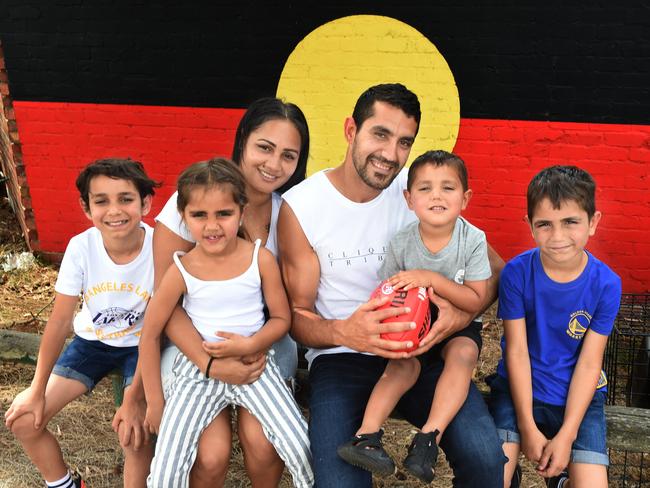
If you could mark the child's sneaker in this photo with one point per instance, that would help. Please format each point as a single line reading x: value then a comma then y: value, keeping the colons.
x: 422, y: 456
x: 558, y: 481
x: 365, y: 451
x: 76, y: 479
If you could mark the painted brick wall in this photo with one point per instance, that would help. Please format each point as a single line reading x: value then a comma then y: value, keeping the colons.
x: 502, y: 156
x: 533, y: 80
x: 60, y: 138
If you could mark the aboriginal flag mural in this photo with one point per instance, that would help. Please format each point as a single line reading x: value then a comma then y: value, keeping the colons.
x: 511, y: 88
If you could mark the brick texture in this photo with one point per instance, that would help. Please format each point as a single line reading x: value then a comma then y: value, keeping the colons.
x: 502, y: 156
x: 60, y: 138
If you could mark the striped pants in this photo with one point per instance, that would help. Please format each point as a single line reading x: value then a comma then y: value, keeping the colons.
x: 195, y: 401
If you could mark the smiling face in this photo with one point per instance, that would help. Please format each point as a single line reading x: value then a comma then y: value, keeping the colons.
x: 115, y: 207
x: 381, y: 146
x: 270, y: 155
x: 212, y: 217
x: 562, y: 233
x: 437, y: 196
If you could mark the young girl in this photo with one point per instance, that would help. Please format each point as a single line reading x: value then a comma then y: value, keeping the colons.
x: 225, y: 281
x: 271, y: 147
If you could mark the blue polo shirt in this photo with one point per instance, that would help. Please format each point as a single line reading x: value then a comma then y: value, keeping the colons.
x: 558, y: 315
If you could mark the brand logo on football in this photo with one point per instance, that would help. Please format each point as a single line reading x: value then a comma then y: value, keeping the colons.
x: 386, y: 289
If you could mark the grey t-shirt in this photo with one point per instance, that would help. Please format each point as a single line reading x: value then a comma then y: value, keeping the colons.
x: 464, y: 258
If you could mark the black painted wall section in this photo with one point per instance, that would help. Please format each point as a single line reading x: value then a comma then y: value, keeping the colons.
x: 530, y: 60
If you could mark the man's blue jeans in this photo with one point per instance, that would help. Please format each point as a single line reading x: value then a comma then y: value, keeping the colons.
x: 340, y: 387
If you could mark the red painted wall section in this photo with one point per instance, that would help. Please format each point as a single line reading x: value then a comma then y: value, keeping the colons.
x: 59, y: 139
x: 502, y: 156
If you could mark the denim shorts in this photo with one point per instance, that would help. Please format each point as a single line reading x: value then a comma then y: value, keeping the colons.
x: 590, y: 446
x: 89, y: 361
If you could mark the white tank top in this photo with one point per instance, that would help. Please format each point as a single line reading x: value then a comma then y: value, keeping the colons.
x: 350, y: 240
x: 234, y: 305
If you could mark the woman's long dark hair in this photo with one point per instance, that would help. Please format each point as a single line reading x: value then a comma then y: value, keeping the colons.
x: 263, y: 110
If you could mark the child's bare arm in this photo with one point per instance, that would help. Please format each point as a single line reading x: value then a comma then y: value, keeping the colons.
x: 275, y: 327
x: 159, y: 310
x: 469, y: 296
x: 581, y: 392
x: 57, y: 329
x: 521, y: 388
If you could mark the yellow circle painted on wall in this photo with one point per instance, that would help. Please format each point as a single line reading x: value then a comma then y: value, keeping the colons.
x: 334, y: 64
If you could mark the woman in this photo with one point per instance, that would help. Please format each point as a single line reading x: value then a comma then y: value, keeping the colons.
x: 271, y: 148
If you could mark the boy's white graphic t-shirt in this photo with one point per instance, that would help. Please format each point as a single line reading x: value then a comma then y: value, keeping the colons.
x: 114, y: 296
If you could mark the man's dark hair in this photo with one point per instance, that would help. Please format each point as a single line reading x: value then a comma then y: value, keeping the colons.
x: 394, y: 94
x: 438, y: 158
x: 119, y: 169
x: 561, y: 184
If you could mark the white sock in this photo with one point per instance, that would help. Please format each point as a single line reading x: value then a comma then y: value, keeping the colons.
x: 65, y: 482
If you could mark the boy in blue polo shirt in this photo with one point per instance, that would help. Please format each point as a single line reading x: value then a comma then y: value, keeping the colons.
x: 558, y: 304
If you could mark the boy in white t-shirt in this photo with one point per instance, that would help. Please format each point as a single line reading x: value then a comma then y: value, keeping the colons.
x: 110, y: 266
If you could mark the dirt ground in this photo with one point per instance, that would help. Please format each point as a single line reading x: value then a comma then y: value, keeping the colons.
x: 83, y: 428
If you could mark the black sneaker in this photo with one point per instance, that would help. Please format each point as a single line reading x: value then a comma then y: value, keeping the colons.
x: 558, y: 481
x: 422, y: 456
x: 365, y: 451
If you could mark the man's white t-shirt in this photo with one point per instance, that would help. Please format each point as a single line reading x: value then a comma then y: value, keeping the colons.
x: 114, y: 296
x: 350, y: 240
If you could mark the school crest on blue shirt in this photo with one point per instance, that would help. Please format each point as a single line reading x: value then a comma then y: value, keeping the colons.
x: 578, y: 324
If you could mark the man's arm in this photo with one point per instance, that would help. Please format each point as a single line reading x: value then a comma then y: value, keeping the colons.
x: 301, y: 273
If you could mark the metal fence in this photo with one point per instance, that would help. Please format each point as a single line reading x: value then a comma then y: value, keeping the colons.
x: 627, y: 364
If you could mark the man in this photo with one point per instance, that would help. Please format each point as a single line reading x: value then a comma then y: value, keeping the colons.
x: 334, y: 230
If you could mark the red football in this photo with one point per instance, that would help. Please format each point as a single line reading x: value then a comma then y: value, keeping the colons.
x: 418, y: 301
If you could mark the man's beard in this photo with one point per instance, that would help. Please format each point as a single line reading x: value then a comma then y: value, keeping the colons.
x: 380, y: 181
